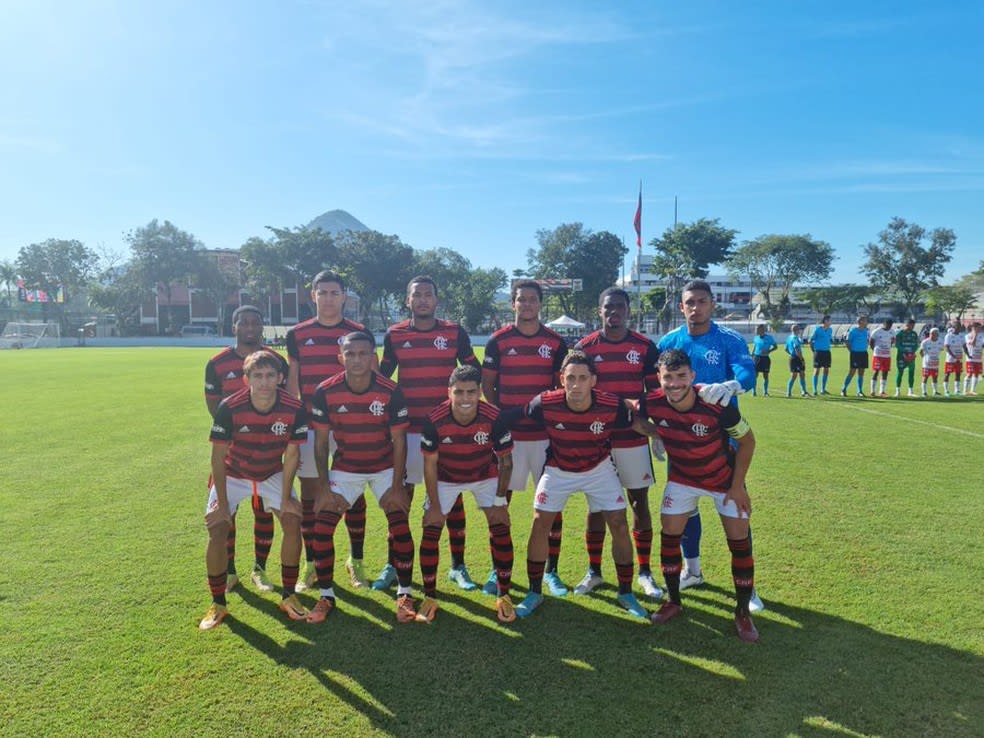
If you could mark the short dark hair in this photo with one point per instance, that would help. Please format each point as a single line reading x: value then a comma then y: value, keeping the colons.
x: 614, y: 292
x: 697, y: 285
x: 243, y: 309
x: 326, y: 275
x: 674, y: 359
x: 825, y: 318
x: 578, y: 357
x: 422, y: 279
x: 263, y: 357
x: 357, y: 336
x: 465, y: 373
x: 526, y: 284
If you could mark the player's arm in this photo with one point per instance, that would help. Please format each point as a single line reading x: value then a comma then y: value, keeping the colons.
x: 433, y: 515
x: 737, y: 427
x: 213, y: 389
x: 399, y: 436
x: 466, y: 354
x: 741, y: 364
x: 293, y: 377
x: 292, y: 459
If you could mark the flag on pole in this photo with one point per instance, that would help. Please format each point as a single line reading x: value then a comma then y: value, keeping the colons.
x: 638, y: 219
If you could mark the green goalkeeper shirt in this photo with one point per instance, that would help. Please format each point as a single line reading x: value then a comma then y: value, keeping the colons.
x: 906, y: 342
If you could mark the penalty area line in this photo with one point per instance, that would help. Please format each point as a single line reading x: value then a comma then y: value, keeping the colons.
x: 961, y: 431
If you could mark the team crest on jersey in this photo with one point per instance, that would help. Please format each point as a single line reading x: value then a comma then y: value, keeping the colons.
x: 713, y: 357
x: 633, y: 357
x: 441, y: 343
x: 279, y: 428
x: 597, y: 427
x: 544, y: 351
x: 541, y: 498
x: 700, y: 430
x: 377, y: 408
x: 667, y: 501
x: 481, y: 438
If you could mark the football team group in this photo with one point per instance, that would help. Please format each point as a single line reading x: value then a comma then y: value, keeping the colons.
x: 585, y: 420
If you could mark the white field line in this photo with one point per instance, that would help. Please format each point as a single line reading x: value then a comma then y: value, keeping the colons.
x: 961, y: 431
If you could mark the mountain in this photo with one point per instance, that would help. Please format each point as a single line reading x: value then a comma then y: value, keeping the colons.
x: 336, y: 221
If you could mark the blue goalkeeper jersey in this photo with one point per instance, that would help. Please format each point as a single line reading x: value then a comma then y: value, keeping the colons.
x: 717, y: 356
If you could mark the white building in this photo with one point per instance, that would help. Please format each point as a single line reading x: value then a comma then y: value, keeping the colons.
x: 733, y: 297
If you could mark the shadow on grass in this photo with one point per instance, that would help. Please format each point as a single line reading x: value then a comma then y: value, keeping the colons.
x: 572, y: 670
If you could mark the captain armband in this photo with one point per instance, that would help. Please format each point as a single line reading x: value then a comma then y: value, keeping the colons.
x: 737, y: 431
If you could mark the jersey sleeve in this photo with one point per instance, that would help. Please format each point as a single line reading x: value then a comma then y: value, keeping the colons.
x: 428, y: 438
x: 300, y: 432
x: 559, y: 355
x: 491, y: 362
x: 387, y: 365
x: 213, y: 385
x: 222, y: 424
x: 291, y: 343
x: 623, y: 418
x: 319, y: 410
x: 733, y: 423
x: 399, y: 414
x: 740, y: 362
x: 502, y: 442
x: 466, y: 354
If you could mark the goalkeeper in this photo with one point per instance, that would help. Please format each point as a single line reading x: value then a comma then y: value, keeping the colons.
x: 720, y: 359
x: 906, y: 346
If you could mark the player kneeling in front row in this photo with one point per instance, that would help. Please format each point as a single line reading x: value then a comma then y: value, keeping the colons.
x: 255, y: 437
x: 462, y: 441
x: 701, y: 464
x: 579, y: 420
x: 367, y: 414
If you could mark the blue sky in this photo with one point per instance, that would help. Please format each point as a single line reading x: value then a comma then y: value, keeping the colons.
x: 473, y: 124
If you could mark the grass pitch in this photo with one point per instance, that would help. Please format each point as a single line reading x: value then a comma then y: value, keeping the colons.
x: 867, y: 523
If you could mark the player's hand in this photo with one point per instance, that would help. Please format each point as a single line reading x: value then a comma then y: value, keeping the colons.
x: 395, y: 498
x: 291, y: 506
x: 659, y: 450
x: 739, y: 495
x: 720, y: 393
x: 433, y: 516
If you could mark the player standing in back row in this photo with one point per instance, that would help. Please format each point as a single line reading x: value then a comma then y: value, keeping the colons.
x: 882, y: 340
x: 426, y: 350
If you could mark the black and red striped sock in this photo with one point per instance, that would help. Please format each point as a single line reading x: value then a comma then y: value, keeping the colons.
x: 289, y: 575
x: 594, y: 541
x: 623, y: 572
x: 355, y: 523
x: 430, y: 555
x: 323, y: 543
x: 742, y: 570
x: 501, y: 545
x: 399, y: 528
x: 643, y: 540
x: 671, y: 562
x: 217, y: 586
x: 456, y: 532
x: 262, y: 534
x: 534, y: 571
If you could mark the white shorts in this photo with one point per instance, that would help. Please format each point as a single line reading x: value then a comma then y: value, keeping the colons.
x: 680, y: 499
x: 306, y: 467
x: 237, y: 490
x: 447, y: 492
x: 634, y: 466
x: 528, y: 460
x: 600, y: 485
x: 415, y: 460
x: 350, y: 485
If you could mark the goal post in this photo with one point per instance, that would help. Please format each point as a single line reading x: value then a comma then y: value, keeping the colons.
x: 19, y: 334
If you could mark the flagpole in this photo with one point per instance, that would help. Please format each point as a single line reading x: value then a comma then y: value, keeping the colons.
x: 638, y: 230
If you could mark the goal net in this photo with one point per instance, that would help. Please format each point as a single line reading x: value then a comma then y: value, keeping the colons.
x: 18, y: 335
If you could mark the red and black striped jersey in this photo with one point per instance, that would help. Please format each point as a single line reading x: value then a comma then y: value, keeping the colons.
x: 257, y: 441
x: 224, y: 373
x: 579, y: 441
x: 426, y: 360
x: 522, y: 367
x: 360, y: 421
x: 315, y: 348
x: 696, y: 441
x: 466, y: 453
x: 626, y: 368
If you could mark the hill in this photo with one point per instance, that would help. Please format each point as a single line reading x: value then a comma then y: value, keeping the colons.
x: 336, y: 221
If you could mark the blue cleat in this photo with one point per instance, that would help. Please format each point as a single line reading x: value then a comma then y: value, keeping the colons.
x: 459, y: 575
x: 386, y: 578
x: 491, y: 586
x: 532, y: 601
x: 557, y: 588
x: 630, y: 604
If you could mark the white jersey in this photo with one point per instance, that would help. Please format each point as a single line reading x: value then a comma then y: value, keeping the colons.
x: 882, y: 340
x: 954, y: 344
x: 931, y: 353
x: 975, y: 347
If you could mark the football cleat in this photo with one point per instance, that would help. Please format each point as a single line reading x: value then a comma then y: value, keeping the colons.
x: 293, y: 608
x: 649, y: 586
x: 532, y: 601
x: 356, y: 573
x: 555, y: 585
x: 491, y: 586
x: 504, y: 609
x: 844, y: 393
x: 459, y: 575
x: 405, y: 612
x: 386, y: 578
x: 746, y: 628
x: 215, y: 615
x: 688, y: 580
x: 630, y: 604
x: 428, y: 610
x: 232, y: 581
x: 589, y: 583
x: 667, y: 611
x: 321, y: 610
x: 755, y: 604
x: 260, y: 580
x: 309, y: 578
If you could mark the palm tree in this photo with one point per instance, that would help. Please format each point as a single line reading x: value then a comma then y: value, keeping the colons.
x: 8, y: 276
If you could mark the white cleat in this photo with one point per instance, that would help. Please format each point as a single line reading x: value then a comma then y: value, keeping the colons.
x: 590, y: 582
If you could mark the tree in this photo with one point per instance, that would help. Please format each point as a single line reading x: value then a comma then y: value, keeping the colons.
x: 301, y: 252
x: 835, y: 298
x: 899, y: 263
x: 478, y: 301
x: 57, y: 263
x: 119, y: 290
x: 377, y: 267
x: 571, y: 251
x: 973, y: 281
x: 774, y: 263
x: 952, y: 301
x: 467, y: 294
x: 163, y: 254
x: 8, y: 276
x: 217, y: 283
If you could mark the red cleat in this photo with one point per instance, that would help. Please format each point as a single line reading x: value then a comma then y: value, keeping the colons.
x: 667, y: 611
x: 746, y: 628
